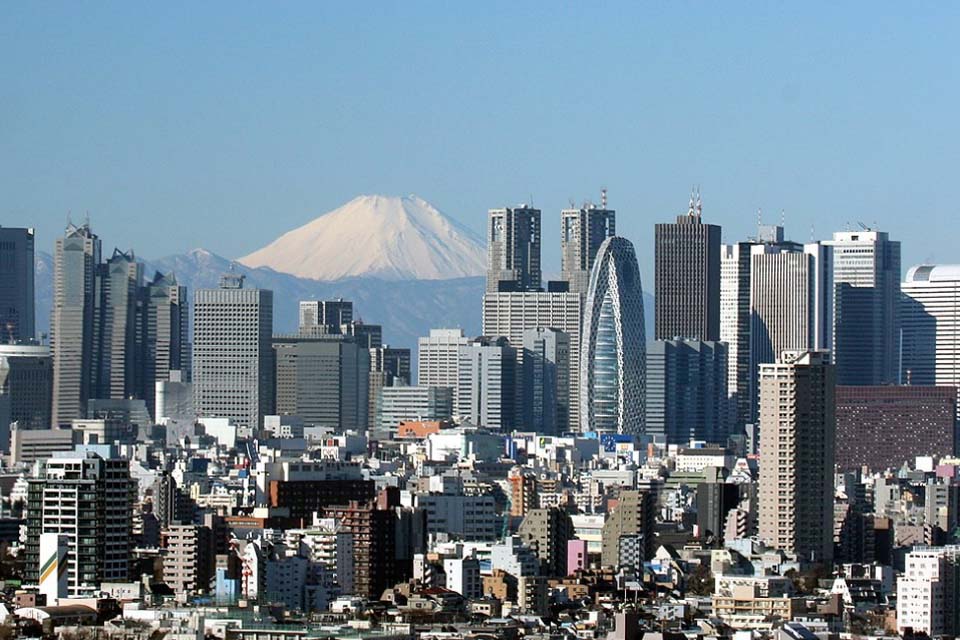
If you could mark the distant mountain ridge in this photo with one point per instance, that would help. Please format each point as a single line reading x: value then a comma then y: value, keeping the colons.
x: 385, y: 237
x: 407, y: 309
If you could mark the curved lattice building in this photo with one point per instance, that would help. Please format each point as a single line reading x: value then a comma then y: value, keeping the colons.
x: 613, y: 347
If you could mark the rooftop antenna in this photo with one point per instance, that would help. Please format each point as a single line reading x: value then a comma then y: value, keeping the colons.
x: 699, y: 202
x: 812, y: 236
x: 603, y: 198
x: 783, y: 219
x: 86, y: 219
x: 690, y: 206
x: 759, y: 217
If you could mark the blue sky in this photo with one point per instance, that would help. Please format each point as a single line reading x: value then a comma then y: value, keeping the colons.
x: 222, y: 125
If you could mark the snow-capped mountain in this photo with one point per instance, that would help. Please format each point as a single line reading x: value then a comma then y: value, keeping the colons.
x: 385, y: 237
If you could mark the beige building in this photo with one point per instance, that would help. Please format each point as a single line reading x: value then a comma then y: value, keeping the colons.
x: 628, y: 530
x: 753, y: 602
x: 187, y: 559
x: 797, y: 437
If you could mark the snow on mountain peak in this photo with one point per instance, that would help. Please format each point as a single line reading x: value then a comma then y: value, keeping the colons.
x: 388, y: 237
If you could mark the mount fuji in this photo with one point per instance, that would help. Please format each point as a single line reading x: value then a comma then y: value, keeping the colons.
x: 385, y: 237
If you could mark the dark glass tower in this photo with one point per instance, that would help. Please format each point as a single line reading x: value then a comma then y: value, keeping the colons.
x: 687, y: 278
x: 16, y: 285
x: 513, y: 250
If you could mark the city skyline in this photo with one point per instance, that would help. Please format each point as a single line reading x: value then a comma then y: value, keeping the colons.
x: 502, y: 409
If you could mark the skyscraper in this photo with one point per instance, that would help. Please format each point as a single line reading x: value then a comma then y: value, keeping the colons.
x: 735, y: 328
x: 930, y: 323
x: 486, y: 389
x: 797, y: 444
x: 165, y: 323
x: 233, y: 372
x: 117, y: 372
x: 438, y: 358
x: 582, y: 231
x: 16, y: 285
x: 546, y: 381
x: 513, y: 249
x: 389, y: 366
x: 735, y: 318
x: 511, y: 314
x: 323, y: 380
x: 790, y: 298
x: 87, y: 499
x: 612, y: 353
x: 866, y: 306
x: 325, y: 313
x: 687, y: 278
x: 687, y: 391
x: 26, y: 387
x: 71, y: 324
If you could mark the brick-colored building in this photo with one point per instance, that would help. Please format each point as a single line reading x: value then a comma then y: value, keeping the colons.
x: 882, y: 427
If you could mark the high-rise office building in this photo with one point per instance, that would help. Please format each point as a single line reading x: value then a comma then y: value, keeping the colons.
x: 17, y: 310
x: 735, y: 318
x: 325, y: 313
x: 687, y: 278
x: 511, y: 314
x: 389, y: 366
x: 438, y: 358
x: 26, y: 388
x: 117, y: 339
x: 686, y: 385
x: 71, y: 324
x: 323, y: 380
x: 790, y: 298
x: 165, y: 323
x: 582, y: 231
x: 513, y: 249
x: 87, y: 499
x: 930, y: 325
x: 233, y: 372
x: 404, y: 404
x: 546, y: 381
x: 486, y: 389
x: 612, y: 347
x: 368, y: 336
x: 735, y: 328
x: 797, y: 444
x: 883, y: 427
x: 866, y: 307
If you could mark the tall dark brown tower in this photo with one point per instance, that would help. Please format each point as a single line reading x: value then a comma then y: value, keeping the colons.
x: 687, y: 277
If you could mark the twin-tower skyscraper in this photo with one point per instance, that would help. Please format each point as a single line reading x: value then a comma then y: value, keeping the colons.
x: 598, y: 303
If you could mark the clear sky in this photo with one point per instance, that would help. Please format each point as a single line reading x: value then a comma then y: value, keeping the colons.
x: 222, y: 125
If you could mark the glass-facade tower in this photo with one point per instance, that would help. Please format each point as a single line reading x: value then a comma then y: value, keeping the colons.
x: 612, y: 354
